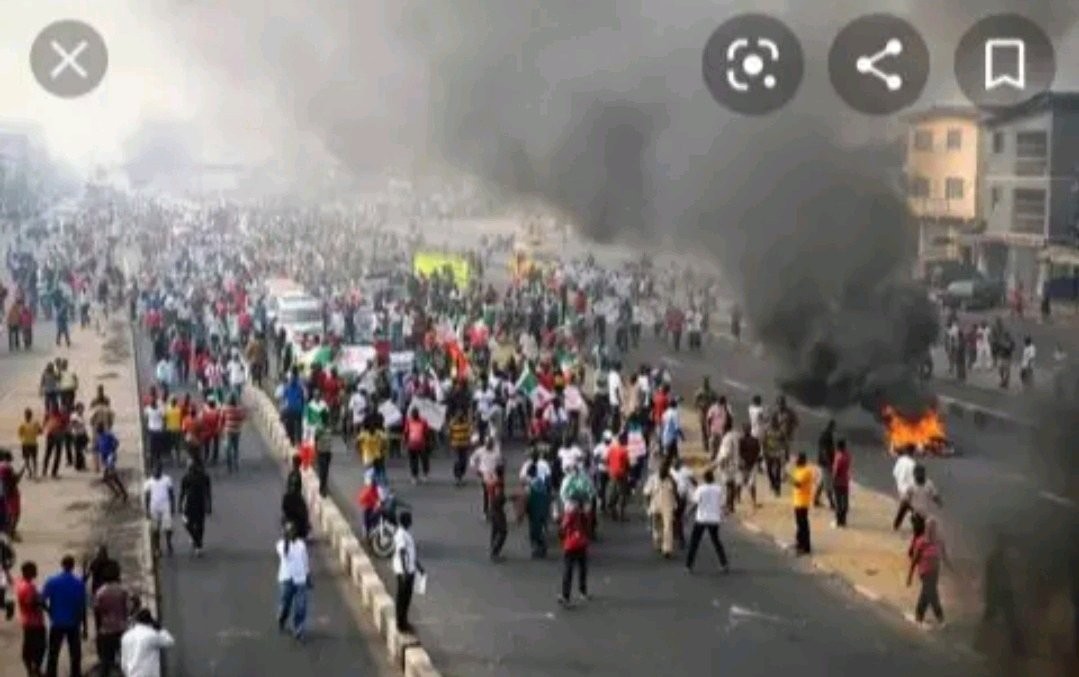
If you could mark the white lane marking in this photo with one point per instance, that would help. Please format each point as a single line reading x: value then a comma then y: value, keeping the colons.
x: 737, y: 385
x: 673, y: 361
x: 1059, y: 500
x: 995, y: 413
x: 866, y: 592
x: 739, y: 614
x: 751, y: 527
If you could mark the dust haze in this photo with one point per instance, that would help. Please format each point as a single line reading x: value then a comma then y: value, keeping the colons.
x: 598, y: 108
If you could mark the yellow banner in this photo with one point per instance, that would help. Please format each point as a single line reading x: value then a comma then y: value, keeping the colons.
x: 428, y: 263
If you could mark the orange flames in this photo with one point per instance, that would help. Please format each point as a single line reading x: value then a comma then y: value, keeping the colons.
x: 925, y: 433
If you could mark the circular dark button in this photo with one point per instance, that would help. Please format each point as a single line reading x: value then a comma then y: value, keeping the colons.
x: 69, y: 58
x: 753, y: 64
x: 1003, y: 61
x: 879, y: 64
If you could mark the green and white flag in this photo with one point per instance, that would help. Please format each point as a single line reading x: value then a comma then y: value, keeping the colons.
x: 530, y: 386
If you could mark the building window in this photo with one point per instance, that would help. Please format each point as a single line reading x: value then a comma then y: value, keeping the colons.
x: 1031, y: 153
x: 1028, y: 210
x: 919, y: 187
x: 998, y: 143
x: 955, y: 139
x: 994, y: 197
x: 923, y: 140
x: 953, y: 188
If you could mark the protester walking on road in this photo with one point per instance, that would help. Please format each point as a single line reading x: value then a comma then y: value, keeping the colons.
x: 372, y: 445
x: 30, y: 431
x: 31, y: 607
x: 142, y: 644
x: 574, y: 532
x: 159, y: 499
x: 662, y: 494
x: 484, y: 461
x: 1026, y: 362
x: 112, y: 606
x: 801, y: 478
x: 496, y: 506
x: 710, y: 499
x: 294, y: 580
x: 537, y: 509
x: 293, y: 505
x: 406, y: 565
x: 323, y: 454
x: 927, y: 555
x: 106, y: 447
x: 196, y: 502
x: 460, y: 439
x: 232, y: 416
x: 919, y: 499
x: 841, y: 479
x: 64, y: 597
x: 416, y: 433
x: 749, y: 460
x: 825, y: 460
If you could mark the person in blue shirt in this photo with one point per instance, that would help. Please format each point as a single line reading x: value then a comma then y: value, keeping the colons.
x: 106, y: 445
x: 292, y: 407
x: 64, y: 597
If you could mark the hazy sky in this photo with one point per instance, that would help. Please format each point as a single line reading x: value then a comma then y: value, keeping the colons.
x: 219, y: 63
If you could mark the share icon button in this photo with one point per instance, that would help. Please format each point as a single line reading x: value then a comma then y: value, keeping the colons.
x: 879, y: 64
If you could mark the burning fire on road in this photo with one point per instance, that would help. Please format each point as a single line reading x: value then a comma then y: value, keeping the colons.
x: 926, y: 434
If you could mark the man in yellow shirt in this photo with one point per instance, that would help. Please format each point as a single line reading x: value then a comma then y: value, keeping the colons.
x: 801, y: 478
x: 29, y: 432
x: 174, y: 427
x: 371, y: 443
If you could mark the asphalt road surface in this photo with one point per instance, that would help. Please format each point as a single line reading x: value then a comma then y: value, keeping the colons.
x: 648, y: 616
x: 996, y: 480
x: 221, y: 608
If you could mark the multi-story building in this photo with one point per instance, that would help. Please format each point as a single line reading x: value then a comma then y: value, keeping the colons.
x: 1030, y: 195
x: 943, y: 159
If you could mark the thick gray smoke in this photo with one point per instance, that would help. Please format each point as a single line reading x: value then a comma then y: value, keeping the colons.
x: 813, y: 235
x: 599, y: 108
x: 158, y: 149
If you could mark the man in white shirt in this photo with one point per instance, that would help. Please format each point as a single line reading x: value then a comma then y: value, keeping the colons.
x: 155, y: 430
x: 141, y: 645
x: 727, y: 464
x: 570, y: 456
x: 405, y: 567
x: 903, y: 472
x: 709, y: 498
x: 294, y: 579
x: 357, y: 406
x: 237, y: 374
x: 485, y: 460
x: 543, y: 468
x: 160, y: 503
x: 756, y: 419
x: 1026, y: 362
x: 614, y: 397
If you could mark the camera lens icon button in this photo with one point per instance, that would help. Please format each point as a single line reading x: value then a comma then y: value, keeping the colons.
x: 753, y: 64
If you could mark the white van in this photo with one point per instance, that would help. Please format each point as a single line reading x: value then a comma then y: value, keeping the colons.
x: 297, y: 314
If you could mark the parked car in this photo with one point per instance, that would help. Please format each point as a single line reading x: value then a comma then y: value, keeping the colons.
x: 973, y: 294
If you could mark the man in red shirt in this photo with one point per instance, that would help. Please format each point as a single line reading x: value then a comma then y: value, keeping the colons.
x: 232, y: 420
x: 415, y: 436
x: 32, y: 619
x: 210, y: 432
x: 618, y: 470
x: 841, y: 465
